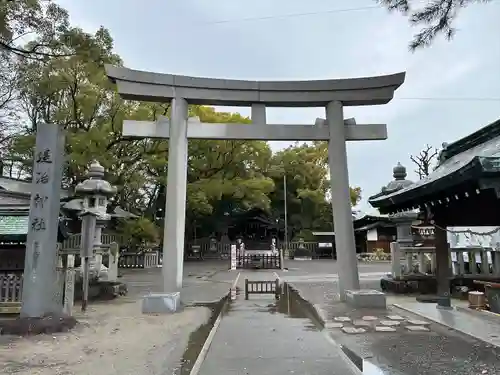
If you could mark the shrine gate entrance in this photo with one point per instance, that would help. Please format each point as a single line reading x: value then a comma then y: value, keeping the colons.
x: 181, y: 90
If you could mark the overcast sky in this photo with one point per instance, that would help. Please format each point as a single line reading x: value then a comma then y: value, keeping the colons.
x: 268, y: 39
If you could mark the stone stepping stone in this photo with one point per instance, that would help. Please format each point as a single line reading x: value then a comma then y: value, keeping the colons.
x: 342, y: 319
x: 361, y: 323
x: 353, y: 330
x: 384, y: 329
x: 369, y: 318
x: 395, y: 317
x: 417, y: 329
x: 418, y: 322
x: 390, y: 323
x: 329, y: 325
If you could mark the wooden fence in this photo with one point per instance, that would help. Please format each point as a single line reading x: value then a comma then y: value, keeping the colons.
x: 126, y: 260
x: 11, y: 286
x: 299, y: 248
x: 134, y: 260
x: 262, y: 287
x: 204, y: 249
x: 74, y: 241
x: 257, y: 259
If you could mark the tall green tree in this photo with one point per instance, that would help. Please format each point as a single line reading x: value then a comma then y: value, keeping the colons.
x: 67, y: 85
x: 305, y: 167
x: 434, y: 17
x: 44, y: 23
x: 8, y: 101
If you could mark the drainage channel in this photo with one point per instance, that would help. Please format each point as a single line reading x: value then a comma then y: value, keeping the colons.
x: 197, y: 338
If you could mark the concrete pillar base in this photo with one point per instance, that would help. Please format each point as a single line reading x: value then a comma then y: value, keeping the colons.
x: 161, y: 303
x: 366, y: 298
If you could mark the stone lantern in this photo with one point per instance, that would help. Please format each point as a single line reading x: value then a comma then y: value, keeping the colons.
x: 403, y: 220
x: 95, y: 192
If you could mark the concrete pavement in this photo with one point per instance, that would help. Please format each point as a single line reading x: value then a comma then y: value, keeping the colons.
x: 261, y: 336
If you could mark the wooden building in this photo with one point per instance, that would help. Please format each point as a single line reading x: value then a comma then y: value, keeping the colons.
x: 374, y: 232
x: 15, y: 196
x: 254, y: 225
x: 463, y: 191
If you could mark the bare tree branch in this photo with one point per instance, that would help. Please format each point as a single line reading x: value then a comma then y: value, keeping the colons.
x: 425, y: 161
x: 33, y: 52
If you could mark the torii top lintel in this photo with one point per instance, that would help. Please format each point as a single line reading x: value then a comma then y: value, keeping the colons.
x: 159, y: 87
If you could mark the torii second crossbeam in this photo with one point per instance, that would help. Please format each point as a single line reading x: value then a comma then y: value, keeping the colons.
x: 269, y: 132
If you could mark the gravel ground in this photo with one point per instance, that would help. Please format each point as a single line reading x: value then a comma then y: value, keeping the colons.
x: 114, y: 337
x: 110, y: 339
x: 438, y: 352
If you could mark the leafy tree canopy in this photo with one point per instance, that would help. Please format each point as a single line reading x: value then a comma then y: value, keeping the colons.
x: 67, y: 85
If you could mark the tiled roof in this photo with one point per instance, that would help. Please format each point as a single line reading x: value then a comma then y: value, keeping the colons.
x: 10, y: 225
x: 478, y: 149
x: 21, y: 186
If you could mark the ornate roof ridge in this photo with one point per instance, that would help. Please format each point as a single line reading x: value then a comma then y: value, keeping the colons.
x: 472, y: 140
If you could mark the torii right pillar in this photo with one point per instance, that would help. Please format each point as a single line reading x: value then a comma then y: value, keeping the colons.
x: 341, y: 200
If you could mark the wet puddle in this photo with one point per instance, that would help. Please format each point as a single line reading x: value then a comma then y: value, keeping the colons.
x: 289, y: 304
x: 293, y: 306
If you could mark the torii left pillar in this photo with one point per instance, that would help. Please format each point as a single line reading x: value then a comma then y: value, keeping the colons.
x: 175, y: 205
x: 175, y: 213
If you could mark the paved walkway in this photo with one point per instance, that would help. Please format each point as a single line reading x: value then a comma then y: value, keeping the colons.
x: 204, y: 282
x: 262, y: 337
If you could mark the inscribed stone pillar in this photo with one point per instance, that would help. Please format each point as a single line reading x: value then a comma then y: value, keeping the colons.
x: 40, y: 276
x: 175, y: 207
x: 341, y: 200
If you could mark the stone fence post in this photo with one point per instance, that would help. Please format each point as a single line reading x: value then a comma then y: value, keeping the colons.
x: 114, y: 255
x: 69, y: 284
x: 395, y: 260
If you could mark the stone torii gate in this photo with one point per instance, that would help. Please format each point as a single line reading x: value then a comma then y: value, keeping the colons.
x: 181, y: 90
